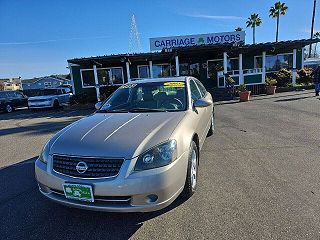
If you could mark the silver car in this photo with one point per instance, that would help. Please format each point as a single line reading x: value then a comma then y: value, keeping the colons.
x: 137, y: 153
x: 50, y: 98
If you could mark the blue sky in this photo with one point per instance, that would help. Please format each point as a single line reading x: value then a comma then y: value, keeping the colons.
x: 37, y: 37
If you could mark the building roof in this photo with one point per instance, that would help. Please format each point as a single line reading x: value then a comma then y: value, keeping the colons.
x: 34, y: 80
x: 169, y: 53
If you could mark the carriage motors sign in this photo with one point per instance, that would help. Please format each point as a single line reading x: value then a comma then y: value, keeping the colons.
x: 199, y: 39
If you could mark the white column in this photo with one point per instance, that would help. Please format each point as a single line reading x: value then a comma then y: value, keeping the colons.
x: 177, y: 66
x: 241, y: 79
x: 302, y: 60
x: 95, y: 73
x: 263, y: 67
x: 71, y: 76
x: 294, y: 70
x: 128, y: 71
x: 225, y: 62
x: 151, y: 71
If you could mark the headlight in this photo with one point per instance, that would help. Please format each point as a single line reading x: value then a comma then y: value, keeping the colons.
x: 158, y: 156
x: 44, y: 155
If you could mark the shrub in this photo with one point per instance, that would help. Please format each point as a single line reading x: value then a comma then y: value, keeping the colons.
x: 242, y: 88
x: 270, y: 81
x: 305, y: 76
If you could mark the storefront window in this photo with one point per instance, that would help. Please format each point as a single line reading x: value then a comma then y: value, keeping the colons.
x: 213, y: 67
x: 103, y: 77
x: 161, y: 70
x: 187, y: 69
x: 117, y: 76
x: 275, y: 62
x: 87, y: 78
x: 143, y: 71
x: 233, y: 64
x: 110, y: 76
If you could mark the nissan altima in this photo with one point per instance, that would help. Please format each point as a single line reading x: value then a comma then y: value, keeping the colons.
x: 137, y: 153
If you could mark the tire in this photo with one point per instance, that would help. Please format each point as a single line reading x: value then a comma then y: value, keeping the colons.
x: 56, y: 104
x: 211, y: 129
x: 9, y: 108
x: 190, y: 185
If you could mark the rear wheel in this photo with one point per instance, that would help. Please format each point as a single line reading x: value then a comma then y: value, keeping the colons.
x: 56, y: 104
x: 192, y: 171
x: 9, y: 108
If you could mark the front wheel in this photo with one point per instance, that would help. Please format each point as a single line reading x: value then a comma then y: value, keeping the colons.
x: 192, y: 171
x: 9, y: 108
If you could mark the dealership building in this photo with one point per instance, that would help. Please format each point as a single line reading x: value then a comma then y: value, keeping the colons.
x: 208, y: 57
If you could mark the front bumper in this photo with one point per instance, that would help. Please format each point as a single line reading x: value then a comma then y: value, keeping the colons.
x: 127, y: 192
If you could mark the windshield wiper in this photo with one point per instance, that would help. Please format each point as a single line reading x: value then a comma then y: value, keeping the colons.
x: 113, y: 110
x: 146, y: 110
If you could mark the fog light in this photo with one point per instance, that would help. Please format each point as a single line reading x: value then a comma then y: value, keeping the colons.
x: 152, y: 198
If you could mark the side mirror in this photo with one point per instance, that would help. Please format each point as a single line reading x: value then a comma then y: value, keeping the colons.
x: 201, y: 103
x: 98, y: 105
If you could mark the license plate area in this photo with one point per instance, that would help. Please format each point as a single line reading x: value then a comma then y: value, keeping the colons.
x: 78, y: 192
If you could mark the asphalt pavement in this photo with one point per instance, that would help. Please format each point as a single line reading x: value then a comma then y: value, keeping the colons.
x: 259, y: 179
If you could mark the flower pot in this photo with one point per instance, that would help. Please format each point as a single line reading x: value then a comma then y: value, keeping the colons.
x: 271, y: 90
x: 244, y: 96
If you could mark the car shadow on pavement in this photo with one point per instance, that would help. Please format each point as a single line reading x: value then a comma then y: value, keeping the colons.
x: 26, y: 214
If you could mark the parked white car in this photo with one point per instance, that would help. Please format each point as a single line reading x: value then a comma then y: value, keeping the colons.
x: 50, y: 98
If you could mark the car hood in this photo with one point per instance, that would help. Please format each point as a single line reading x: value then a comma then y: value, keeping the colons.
x: 116, y: 135
x: 42, y: 97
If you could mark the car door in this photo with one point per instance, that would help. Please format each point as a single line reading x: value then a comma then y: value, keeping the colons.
x: 13, y: 99
x: 207, y: 96
x: 201, y: 113
x: 22, y: 101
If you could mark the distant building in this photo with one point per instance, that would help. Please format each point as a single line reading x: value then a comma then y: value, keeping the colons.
x: 312, y: 62
x: 11, y: 84
x: 44, y: 82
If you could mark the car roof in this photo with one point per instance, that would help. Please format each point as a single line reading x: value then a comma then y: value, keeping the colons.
x: 166, y: 79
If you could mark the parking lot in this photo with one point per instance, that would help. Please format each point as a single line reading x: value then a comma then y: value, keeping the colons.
x: 259, y: 179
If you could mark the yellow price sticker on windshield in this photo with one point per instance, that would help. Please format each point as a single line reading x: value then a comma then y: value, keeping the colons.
x: 173, y: 85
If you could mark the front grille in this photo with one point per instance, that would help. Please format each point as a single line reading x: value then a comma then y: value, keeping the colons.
x: 97, y: 167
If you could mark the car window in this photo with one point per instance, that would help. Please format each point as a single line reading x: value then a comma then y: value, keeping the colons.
x: 3, y: 95
x: 63, y: 91
x: 202, y: 89
x: 195, y: 94
x: 19, y: 95
x: 11, y: 94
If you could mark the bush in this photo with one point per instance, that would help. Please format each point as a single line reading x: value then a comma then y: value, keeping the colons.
x: 270, y: 82
x: 242, y: 88
x: 283, y: 77
x: 305, y: 76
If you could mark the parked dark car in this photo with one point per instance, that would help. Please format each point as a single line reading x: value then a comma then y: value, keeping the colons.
x: 9, y: 100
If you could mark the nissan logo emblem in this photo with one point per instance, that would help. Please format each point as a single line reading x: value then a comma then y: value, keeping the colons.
x: 81, y: 167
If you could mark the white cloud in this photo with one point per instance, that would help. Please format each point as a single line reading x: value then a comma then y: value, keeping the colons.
x: 215, y: 17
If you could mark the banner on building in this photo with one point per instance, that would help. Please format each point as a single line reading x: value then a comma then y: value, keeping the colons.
x: 199, y: 39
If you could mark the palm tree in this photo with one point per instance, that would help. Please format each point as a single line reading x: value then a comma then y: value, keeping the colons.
x: 275, y: 12
x: 254, y: 21
x: 239, y: 29
x: 316, y: 35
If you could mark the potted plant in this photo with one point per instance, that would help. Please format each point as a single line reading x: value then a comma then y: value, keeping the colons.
x: 270, y: 86
x: 244, y: 94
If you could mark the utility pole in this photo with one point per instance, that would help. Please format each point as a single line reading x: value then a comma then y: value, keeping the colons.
x: 312, y: 24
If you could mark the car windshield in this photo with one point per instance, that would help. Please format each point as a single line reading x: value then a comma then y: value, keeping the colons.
x: 147, y: 97
x: 47, y: 92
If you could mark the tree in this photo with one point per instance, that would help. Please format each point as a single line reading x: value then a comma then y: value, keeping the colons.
x: 254, y: 21
x: 1, y: 86
x: 239, y: 29
x: 275, y: 12
x: 316, y: 35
